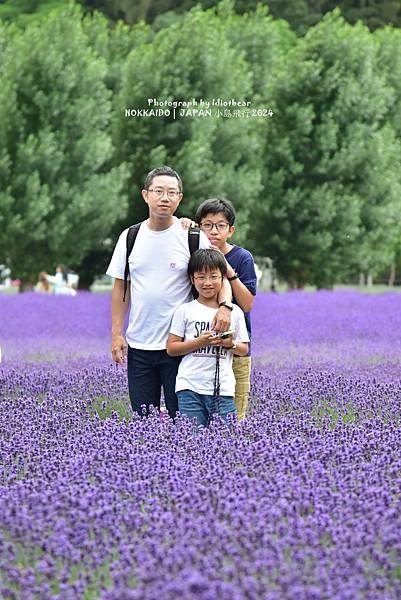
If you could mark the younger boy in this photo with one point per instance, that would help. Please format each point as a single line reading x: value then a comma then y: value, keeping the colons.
x: 216, y: 218
x: 205, y: 381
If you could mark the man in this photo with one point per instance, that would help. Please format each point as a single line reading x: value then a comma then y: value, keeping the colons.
x: 159, y: 283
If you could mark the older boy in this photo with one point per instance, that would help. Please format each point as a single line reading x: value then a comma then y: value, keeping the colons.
x: 216, y: 218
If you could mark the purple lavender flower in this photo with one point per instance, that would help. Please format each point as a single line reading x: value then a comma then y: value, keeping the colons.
x: 301, y: 500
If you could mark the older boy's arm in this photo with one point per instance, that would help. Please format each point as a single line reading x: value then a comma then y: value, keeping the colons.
x: 222, y: 319
x: 119, y: 308
x: 242, y: 295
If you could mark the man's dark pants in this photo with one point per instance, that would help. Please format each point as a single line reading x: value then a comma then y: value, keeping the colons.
x: 148, y: 371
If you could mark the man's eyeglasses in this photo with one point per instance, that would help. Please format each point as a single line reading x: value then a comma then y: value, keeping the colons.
x: 212, y: 278
x: 159, y: 193
x: 207, y: 226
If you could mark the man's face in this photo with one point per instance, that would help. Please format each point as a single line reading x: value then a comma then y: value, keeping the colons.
x: 217, y: 228
x: 163, y: 196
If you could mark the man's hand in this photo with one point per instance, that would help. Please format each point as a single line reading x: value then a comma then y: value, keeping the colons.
x: 222, y: 320
x: 119, y: 349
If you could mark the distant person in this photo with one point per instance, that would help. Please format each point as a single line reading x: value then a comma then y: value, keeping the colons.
x: 216, y: 217
x: 60, y: 282
x: 205, y: 382
x: 159, y: 283
x: 43, y: 286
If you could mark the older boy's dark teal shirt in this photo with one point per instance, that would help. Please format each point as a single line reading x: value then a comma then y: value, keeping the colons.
x: 243, y: 264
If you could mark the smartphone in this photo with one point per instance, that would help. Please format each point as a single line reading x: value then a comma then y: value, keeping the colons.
x: 225, y: 334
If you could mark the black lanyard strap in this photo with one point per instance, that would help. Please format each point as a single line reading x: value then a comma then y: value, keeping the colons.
x: 216, y: 387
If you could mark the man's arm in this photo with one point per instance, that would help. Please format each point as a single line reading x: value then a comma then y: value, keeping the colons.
x: 119, y: 346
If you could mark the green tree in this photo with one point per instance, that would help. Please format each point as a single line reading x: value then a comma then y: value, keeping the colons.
x: 300, y: 14
x: 373, y: 13
x: 191, y: 60
x: 389, y: 48
x: 131, y: 12
x: 113, y: 44
x: 59, y: 191
x: 265, y: 43
x: 24, y: 12
x: 332, y: 165
x: 388, y: 40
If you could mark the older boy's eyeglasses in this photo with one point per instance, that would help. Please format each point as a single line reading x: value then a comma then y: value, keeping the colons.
x: 208, y: 226
x: 159, y: 193
x: 212, y: 278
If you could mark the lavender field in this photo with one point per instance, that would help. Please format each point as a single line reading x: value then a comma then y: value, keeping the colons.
x: 300, y: 501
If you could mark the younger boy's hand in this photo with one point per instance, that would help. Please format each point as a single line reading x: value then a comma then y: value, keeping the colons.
x: 205, y: 338
x: 225, y: 342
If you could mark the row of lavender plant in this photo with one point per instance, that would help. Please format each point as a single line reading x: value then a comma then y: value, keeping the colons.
x: 302, y: 500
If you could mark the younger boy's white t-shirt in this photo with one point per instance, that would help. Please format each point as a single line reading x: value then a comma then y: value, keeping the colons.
x: 159, y: 281
x: 197, y: 369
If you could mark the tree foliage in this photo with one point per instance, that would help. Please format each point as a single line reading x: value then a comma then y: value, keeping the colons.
x: 59, y: 190
x: 316, y: 186
x: 332, y: 164
x: 300, y: 14
x: 373, y: 13
x: 190, y: 61
x: 24, y: 12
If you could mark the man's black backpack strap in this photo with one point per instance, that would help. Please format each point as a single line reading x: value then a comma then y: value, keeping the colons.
x: 131, y: 237
x: 193, y: 244
x: 193, y: 239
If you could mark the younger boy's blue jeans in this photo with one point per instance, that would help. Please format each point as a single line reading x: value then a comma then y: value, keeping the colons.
x: 202, y: 406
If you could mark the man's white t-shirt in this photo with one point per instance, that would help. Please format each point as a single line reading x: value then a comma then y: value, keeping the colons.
x: 159, y: 281
x: 197, y: 369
